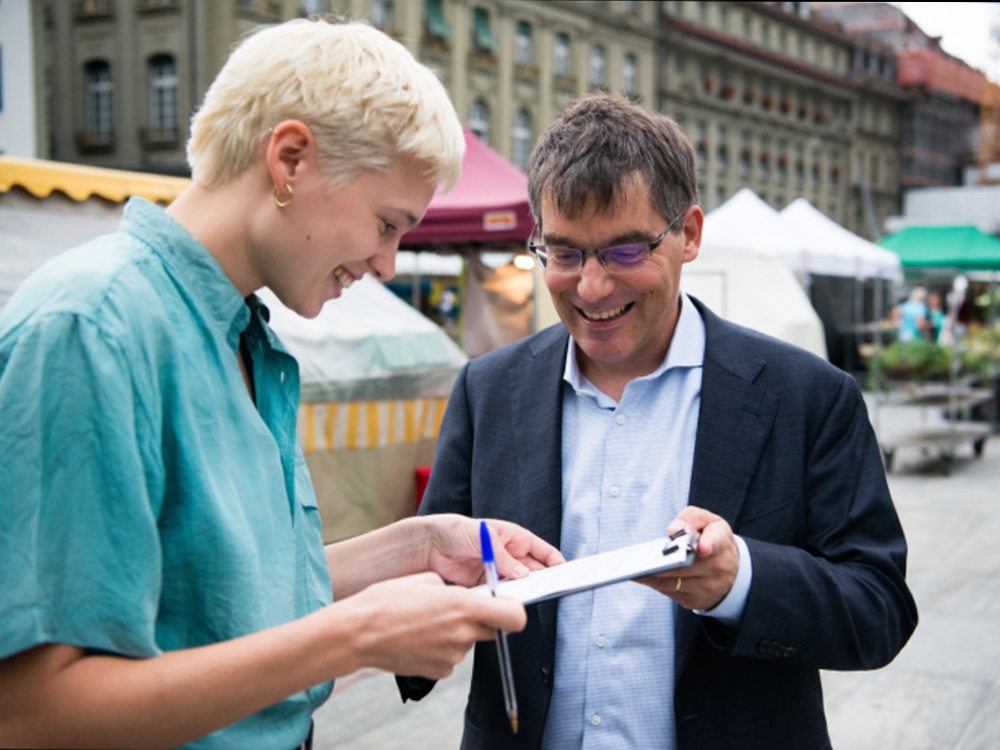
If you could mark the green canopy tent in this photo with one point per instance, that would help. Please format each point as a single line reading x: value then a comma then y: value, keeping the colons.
x: 966, y: 248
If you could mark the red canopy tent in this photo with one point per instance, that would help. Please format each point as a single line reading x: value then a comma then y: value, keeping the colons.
x: 489, y: 203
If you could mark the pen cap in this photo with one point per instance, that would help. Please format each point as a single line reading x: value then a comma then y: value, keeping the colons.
x: 484, y: 541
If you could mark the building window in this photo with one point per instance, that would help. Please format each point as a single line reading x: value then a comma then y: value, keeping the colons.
x: 268, y: 8
x: 483, y: 40
x: 437, y: 26
x: 479, y: 120
x: 722, y: 147
x: 522, y: 139
x: 87, y: 8
x: 629, y: 75
x: 522, y: 44
x: 162, y: 98
x: 97, y: 102
x: 561, y: 62
x: 597, y: 66
x: 383, y: 15
x: 313, y: 8
x: 701, y: 143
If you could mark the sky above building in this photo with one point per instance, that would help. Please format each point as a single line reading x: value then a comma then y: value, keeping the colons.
x: 965, y: 30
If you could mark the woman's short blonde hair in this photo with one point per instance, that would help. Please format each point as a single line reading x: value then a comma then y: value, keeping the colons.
x: 367, y: 100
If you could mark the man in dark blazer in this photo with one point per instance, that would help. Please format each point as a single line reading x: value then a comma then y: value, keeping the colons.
x: 772, y: 448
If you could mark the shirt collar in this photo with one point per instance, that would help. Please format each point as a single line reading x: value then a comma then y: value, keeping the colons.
x: 191, y: 264
x: 687, y: 349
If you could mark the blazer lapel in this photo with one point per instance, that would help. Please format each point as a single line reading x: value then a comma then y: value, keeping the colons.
x: 536, y: 388
x: 734, y: 423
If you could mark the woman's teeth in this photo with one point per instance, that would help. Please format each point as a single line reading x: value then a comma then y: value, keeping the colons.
x: 343, y: 277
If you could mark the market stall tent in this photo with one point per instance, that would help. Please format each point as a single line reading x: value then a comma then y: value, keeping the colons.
x: 851, y: 281
x: 965, y: 248
x: 744, y: 273
x: 374, y: 372
x: 485, y: 213
x: 746, y: 223
x: 488, y: 204
x: 375, y: 377
x: 832, y: 250
x: 758, y: 292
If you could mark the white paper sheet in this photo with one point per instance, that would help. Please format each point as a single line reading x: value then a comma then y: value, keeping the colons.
x: 600, y: 570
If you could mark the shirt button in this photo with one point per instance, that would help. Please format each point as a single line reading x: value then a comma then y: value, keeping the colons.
x: 615, y: 492
x: 620, y: 419
x: 595, y: 719
x: 601, y: 641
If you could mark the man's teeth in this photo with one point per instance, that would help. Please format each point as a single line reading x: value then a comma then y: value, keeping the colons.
x: 343, y: 277
x: 606, y: 315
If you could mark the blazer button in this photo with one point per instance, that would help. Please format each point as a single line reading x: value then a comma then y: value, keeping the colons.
x: 546, y: 677
x: 765, y: 647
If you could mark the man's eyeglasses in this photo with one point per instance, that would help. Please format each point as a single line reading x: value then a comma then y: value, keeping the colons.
x: 616, y: 260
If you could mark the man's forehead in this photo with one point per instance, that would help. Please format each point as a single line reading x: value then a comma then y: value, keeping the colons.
x: 629, y: 200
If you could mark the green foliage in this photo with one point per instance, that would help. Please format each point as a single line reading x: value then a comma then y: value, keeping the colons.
x: 925, y: 361
x: 918, y: 361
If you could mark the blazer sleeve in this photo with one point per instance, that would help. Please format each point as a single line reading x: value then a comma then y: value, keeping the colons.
x: 828, y: 549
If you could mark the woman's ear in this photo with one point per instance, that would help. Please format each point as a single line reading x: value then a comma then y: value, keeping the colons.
x: 290, y: 144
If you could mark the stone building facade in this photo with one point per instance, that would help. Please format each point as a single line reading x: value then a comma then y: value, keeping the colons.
x: 771, y: 97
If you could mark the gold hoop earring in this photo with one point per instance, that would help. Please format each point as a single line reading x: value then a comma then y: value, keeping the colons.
x: 282, y: 203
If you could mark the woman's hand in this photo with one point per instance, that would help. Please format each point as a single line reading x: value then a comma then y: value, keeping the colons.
x: 454, y: 551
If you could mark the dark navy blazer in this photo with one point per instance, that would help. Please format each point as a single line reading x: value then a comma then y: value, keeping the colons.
x: 785, y: 453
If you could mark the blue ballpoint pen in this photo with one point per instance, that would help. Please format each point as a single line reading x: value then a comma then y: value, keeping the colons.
x: 503, y: 650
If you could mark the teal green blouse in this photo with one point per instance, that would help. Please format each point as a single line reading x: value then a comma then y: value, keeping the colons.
x: 146, y: 503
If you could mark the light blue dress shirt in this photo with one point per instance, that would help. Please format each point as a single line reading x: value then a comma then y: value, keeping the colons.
x: 147, y: 505
x: 626, y: 474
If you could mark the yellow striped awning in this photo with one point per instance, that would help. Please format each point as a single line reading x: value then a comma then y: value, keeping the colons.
x: 340, y: 425
x: 41, y: 177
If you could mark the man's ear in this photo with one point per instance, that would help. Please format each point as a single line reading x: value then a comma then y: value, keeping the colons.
x: 291, y: 143
x: 694, y: 220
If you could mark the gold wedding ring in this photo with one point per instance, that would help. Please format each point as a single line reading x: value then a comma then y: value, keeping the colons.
x: 677, y: 587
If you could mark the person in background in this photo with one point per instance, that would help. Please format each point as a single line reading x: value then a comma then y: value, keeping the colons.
x: 935, y: 317
x: 164, y: 579
x: 643, y: 413
x: 912, y: 316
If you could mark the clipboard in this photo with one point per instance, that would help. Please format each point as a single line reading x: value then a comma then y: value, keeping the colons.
x: 666, y: 553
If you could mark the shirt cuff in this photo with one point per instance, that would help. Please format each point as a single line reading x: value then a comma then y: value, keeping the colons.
x: 730, y: 610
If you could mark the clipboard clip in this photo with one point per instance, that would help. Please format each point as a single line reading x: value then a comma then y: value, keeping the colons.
x: 675, y: 540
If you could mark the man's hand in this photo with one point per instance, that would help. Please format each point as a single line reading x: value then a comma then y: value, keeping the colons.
x: 705, y: 583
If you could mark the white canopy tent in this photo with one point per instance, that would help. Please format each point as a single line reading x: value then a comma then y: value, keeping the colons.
x: 755, y: 291
x: 747, y: 224
x: 806, y: 240
x: 744, y: 273
x: 375, y: 375
x: 831, y: 250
